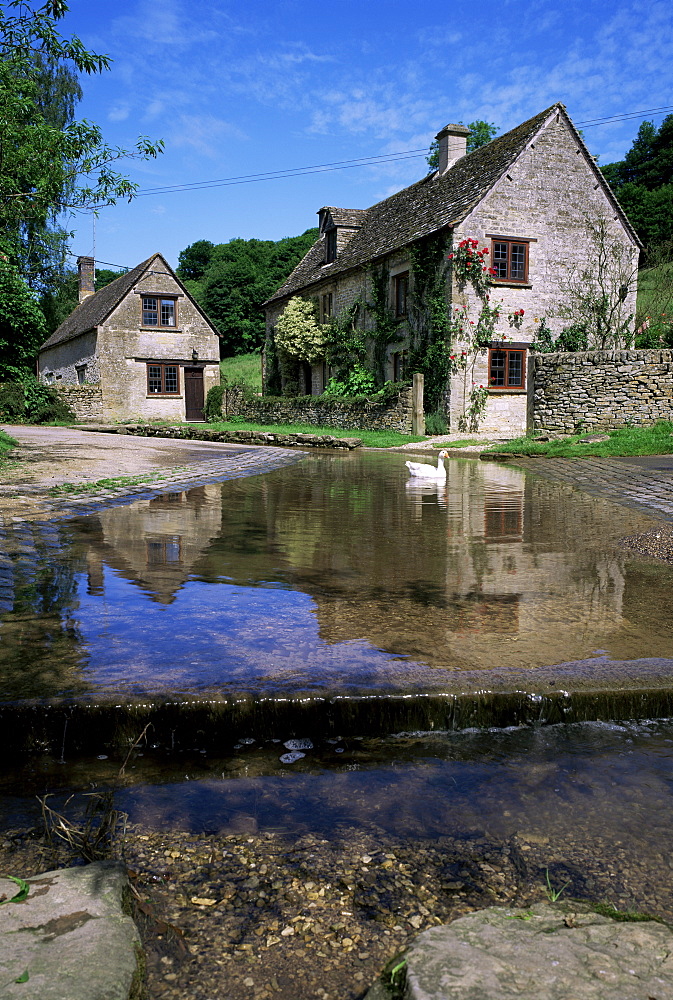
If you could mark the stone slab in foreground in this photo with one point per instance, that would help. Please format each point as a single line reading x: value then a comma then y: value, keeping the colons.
x: 555, y: 951
x: 70, y: 936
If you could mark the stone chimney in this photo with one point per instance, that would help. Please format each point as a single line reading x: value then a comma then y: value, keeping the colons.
x: 452, y: 142
x: 86, y: 270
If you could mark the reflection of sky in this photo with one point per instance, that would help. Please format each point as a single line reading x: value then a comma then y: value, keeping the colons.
x: 214, y: 636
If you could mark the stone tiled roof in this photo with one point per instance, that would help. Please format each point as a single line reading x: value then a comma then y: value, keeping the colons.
x: 429, y: 205
x: 96, y: 308
x: 348, y: 217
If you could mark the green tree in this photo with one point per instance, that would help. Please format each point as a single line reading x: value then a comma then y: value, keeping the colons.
x: 49, y: 164
x: 22, y: 323
x: 193, y: 261
x: 481, y: 132
x: 643, y: 182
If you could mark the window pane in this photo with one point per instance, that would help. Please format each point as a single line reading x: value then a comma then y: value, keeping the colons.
x: 167, y: 312
x: 518, y: 261
x: 171, y: 378
x: 515, y: 368
x: 154, y: 378
x: 497, y: 373
x: 500, y: 259
x: 150, y: 307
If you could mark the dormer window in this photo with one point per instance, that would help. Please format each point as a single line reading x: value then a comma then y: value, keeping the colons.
x: 330, y: 245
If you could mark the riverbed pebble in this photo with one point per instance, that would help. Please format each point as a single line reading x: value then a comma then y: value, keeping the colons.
x: 319, y: 916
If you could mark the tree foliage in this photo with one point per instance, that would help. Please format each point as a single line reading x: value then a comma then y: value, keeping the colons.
x: 643, y: 182
x: 298, y: 332
x: 50, y: 164
x: 481, y: 132
x: 22, y: 323
x: 231, y: 281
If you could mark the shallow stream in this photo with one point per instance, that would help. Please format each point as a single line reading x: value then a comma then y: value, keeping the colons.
x: 336, y: 582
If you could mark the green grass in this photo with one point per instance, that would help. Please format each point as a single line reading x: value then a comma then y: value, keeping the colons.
x: 371, y: 439
x: 243, y: 368
x: 6, y: 444
x: 117, y: 483
x: 655, y: 440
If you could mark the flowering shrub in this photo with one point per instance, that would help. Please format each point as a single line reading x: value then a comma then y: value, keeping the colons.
x: 655, y: 331
x: 469, y: 264
x: 515, y: 319
x: 298, y: 333
x: 475, y: 409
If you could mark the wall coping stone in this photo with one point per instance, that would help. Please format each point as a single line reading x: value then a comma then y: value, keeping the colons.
x: 228, y: 437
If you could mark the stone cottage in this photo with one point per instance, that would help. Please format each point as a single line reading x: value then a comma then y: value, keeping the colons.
x: 140, y: 348
x: 529, y: 199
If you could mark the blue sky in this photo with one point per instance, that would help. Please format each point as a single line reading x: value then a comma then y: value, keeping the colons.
x: 238, y: 89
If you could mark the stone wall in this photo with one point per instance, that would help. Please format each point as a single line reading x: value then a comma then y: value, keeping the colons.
x: 239, y: 437
x: 601, y: 389
x: 86, y: 401
x: 395, y: 415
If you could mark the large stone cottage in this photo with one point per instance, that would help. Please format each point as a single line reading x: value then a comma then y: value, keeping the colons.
x: 529, y: 198
x: 140, y: 348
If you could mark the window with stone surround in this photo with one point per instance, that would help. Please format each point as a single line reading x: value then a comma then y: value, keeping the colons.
x: 507, y: 367
x: 330, y: 245
x: 509, y: 259
x: 159, y: 311
x: 162, y: 379
x: 400, y: 294
x: 326, y: 305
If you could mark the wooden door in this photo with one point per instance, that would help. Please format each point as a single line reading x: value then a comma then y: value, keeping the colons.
x: 194, y: 397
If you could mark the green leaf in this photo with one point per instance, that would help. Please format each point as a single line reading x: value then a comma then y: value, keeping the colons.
x: 22, y: 894
x: 23, y: 978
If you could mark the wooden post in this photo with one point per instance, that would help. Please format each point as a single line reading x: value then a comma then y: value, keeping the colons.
x: 417, y: 411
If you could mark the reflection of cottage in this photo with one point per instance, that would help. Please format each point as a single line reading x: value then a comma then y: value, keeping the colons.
x: 154, y: 543
x: 140, y: 347
x: 526, y: 197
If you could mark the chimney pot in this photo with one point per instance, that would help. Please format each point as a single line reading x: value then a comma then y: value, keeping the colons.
x: 452, y: 142
x: 86, y: 269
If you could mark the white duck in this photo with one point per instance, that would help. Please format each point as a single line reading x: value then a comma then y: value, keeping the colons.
x: 421, y: 470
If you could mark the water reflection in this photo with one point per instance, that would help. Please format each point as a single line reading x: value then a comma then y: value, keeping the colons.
x: 332, y: 572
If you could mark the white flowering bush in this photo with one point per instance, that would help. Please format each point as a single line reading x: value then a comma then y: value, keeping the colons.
x: 298, y: 333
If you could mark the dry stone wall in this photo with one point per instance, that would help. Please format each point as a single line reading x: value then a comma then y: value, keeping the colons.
x: 601, y: 390
x: 86, y: 401
x: 395, y: 415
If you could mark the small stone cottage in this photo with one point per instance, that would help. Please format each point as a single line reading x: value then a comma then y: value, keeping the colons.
x: 140, y: 348
x: 529, y: 199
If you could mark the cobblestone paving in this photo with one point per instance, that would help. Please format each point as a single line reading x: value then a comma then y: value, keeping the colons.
x: 216, y: 470
x: 646, y: 487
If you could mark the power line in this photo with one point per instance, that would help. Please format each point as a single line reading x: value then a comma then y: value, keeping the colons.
x: 364, y: 161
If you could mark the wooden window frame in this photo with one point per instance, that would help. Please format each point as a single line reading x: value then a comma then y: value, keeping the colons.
x: 162, y: 366
x: 159, y: 300
x: 509, y: 242
x: 507, y: 385
x: 401, y: 295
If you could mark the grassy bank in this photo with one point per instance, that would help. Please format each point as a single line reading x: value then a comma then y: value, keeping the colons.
x: 655, y: 440
x: 243, y: 368
x: 6, y: 444
x: 371, y: 439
